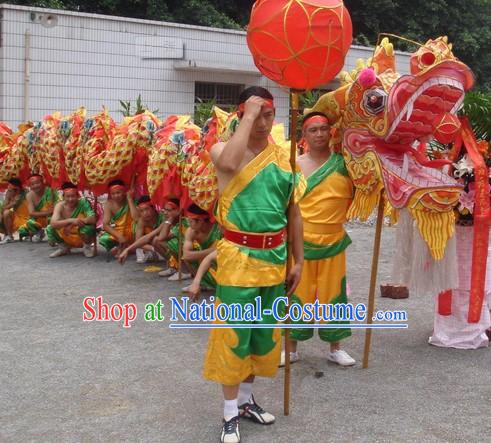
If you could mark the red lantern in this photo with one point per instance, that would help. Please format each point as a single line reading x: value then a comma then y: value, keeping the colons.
x: 300, y: 44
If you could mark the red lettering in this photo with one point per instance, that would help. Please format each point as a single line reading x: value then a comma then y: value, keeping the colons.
x: 88, y: 308
x: 103, y: 312
x: 120, y: 310
x: 102, y: 306
x: 128, y: 318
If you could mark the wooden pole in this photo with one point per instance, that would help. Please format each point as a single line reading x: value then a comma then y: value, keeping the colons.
x: 179, y: 248
x: 294, y: 103
x: 95, y: 210
x: 373, y: 279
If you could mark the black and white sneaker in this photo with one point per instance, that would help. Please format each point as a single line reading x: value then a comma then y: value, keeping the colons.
x: 230, y: 431
x: 254, y: 412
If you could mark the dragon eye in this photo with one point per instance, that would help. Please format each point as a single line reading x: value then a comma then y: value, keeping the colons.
x: 428, y: 58
x: 374, y: 100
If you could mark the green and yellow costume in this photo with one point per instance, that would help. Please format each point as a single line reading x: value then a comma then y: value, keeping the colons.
x: 325, y: 204
x: 147, y: 229
x: 255, y: 201
x: 122, y: 222
x: 34, y: 224
x: 173, y: 243
x: 73, y: 238
x: 21, y: 214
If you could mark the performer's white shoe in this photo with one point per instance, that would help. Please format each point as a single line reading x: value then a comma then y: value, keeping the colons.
x: 88, y: 250
x: 62, y: 250
x: 38, y: 236
x: 254, y: 412
x: 175, y: 276
x: 7, y: 239
x: 167, y: 272
x: 140, y: 256
x: 230, y: 431
x: 294, y: 357
x: 340, y: 357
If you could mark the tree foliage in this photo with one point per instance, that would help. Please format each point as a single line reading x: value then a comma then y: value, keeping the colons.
x: 466, y: 22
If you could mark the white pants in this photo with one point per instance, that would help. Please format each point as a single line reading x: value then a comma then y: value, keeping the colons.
x: 453, y: 331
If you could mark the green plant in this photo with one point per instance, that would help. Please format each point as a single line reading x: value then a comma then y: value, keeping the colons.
x: 202, y: 111
x: 140, y: 107
x: 309, y: 99
x: 477, y: 108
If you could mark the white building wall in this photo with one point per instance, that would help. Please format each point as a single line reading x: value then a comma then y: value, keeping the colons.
x: 93, y: 60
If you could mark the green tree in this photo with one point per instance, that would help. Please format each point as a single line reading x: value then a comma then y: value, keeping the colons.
x: 467, y: 22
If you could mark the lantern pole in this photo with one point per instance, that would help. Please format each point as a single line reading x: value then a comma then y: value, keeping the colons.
x: 179, y: 246
x: 294, y: 105
x: 373, y: 278
x: 96, y: 217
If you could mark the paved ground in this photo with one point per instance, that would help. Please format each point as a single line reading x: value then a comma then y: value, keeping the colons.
x: 63, y: 380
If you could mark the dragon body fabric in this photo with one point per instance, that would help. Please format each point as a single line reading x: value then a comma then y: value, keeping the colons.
x: 381, y: 118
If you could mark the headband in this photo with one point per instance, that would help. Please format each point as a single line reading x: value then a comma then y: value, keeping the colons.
x: 268, y: 104
x: 197, y: 216
x: 172, y: 205
x: 145, y: 205
x: 117, y: 188
x: 315, y: 119
x: 34, y: 177
x: 70, y: 191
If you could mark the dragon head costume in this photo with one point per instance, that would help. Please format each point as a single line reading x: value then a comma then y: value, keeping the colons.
x: 382, y: 119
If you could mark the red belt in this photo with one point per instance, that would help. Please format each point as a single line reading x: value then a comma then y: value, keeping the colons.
x: 258, y: 241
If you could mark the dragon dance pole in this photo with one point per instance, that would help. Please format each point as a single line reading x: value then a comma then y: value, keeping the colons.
x: 95, y: 211
x: 179, y: 248
x: 294, y: 102
x: 373, y: 278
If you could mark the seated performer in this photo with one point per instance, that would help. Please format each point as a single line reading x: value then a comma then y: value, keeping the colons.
x: 72, y: 224
x: 166, y: 243
x: 41, y: 200
x: 119, y: 215
x: 324, y: 207
x: 15, y: 211
x: 149, y: 220
x: 165, y: 232
x: 199, y: 241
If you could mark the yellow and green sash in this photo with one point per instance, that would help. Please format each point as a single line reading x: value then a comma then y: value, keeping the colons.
x: 327, y: 198
x: 123, y: 223
x: 72, y: 238
x: 34, y: 224
x: 256, y: 200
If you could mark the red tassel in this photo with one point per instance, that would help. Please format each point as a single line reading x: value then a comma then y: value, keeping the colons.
x: 445, y: 302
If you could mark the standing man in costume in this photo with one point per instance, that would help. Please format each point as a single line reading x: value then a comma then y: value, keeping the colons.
x: 72, y: 224
x: 119, y: 215
x: 41, y: 200
x: 15, y: 211
x: 255, y: 182
x: 324, y: 208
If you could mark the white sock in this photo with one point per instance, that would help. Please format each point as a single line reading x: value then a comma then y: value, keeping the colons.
x: 245, y: 392
x: 230, y: 409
